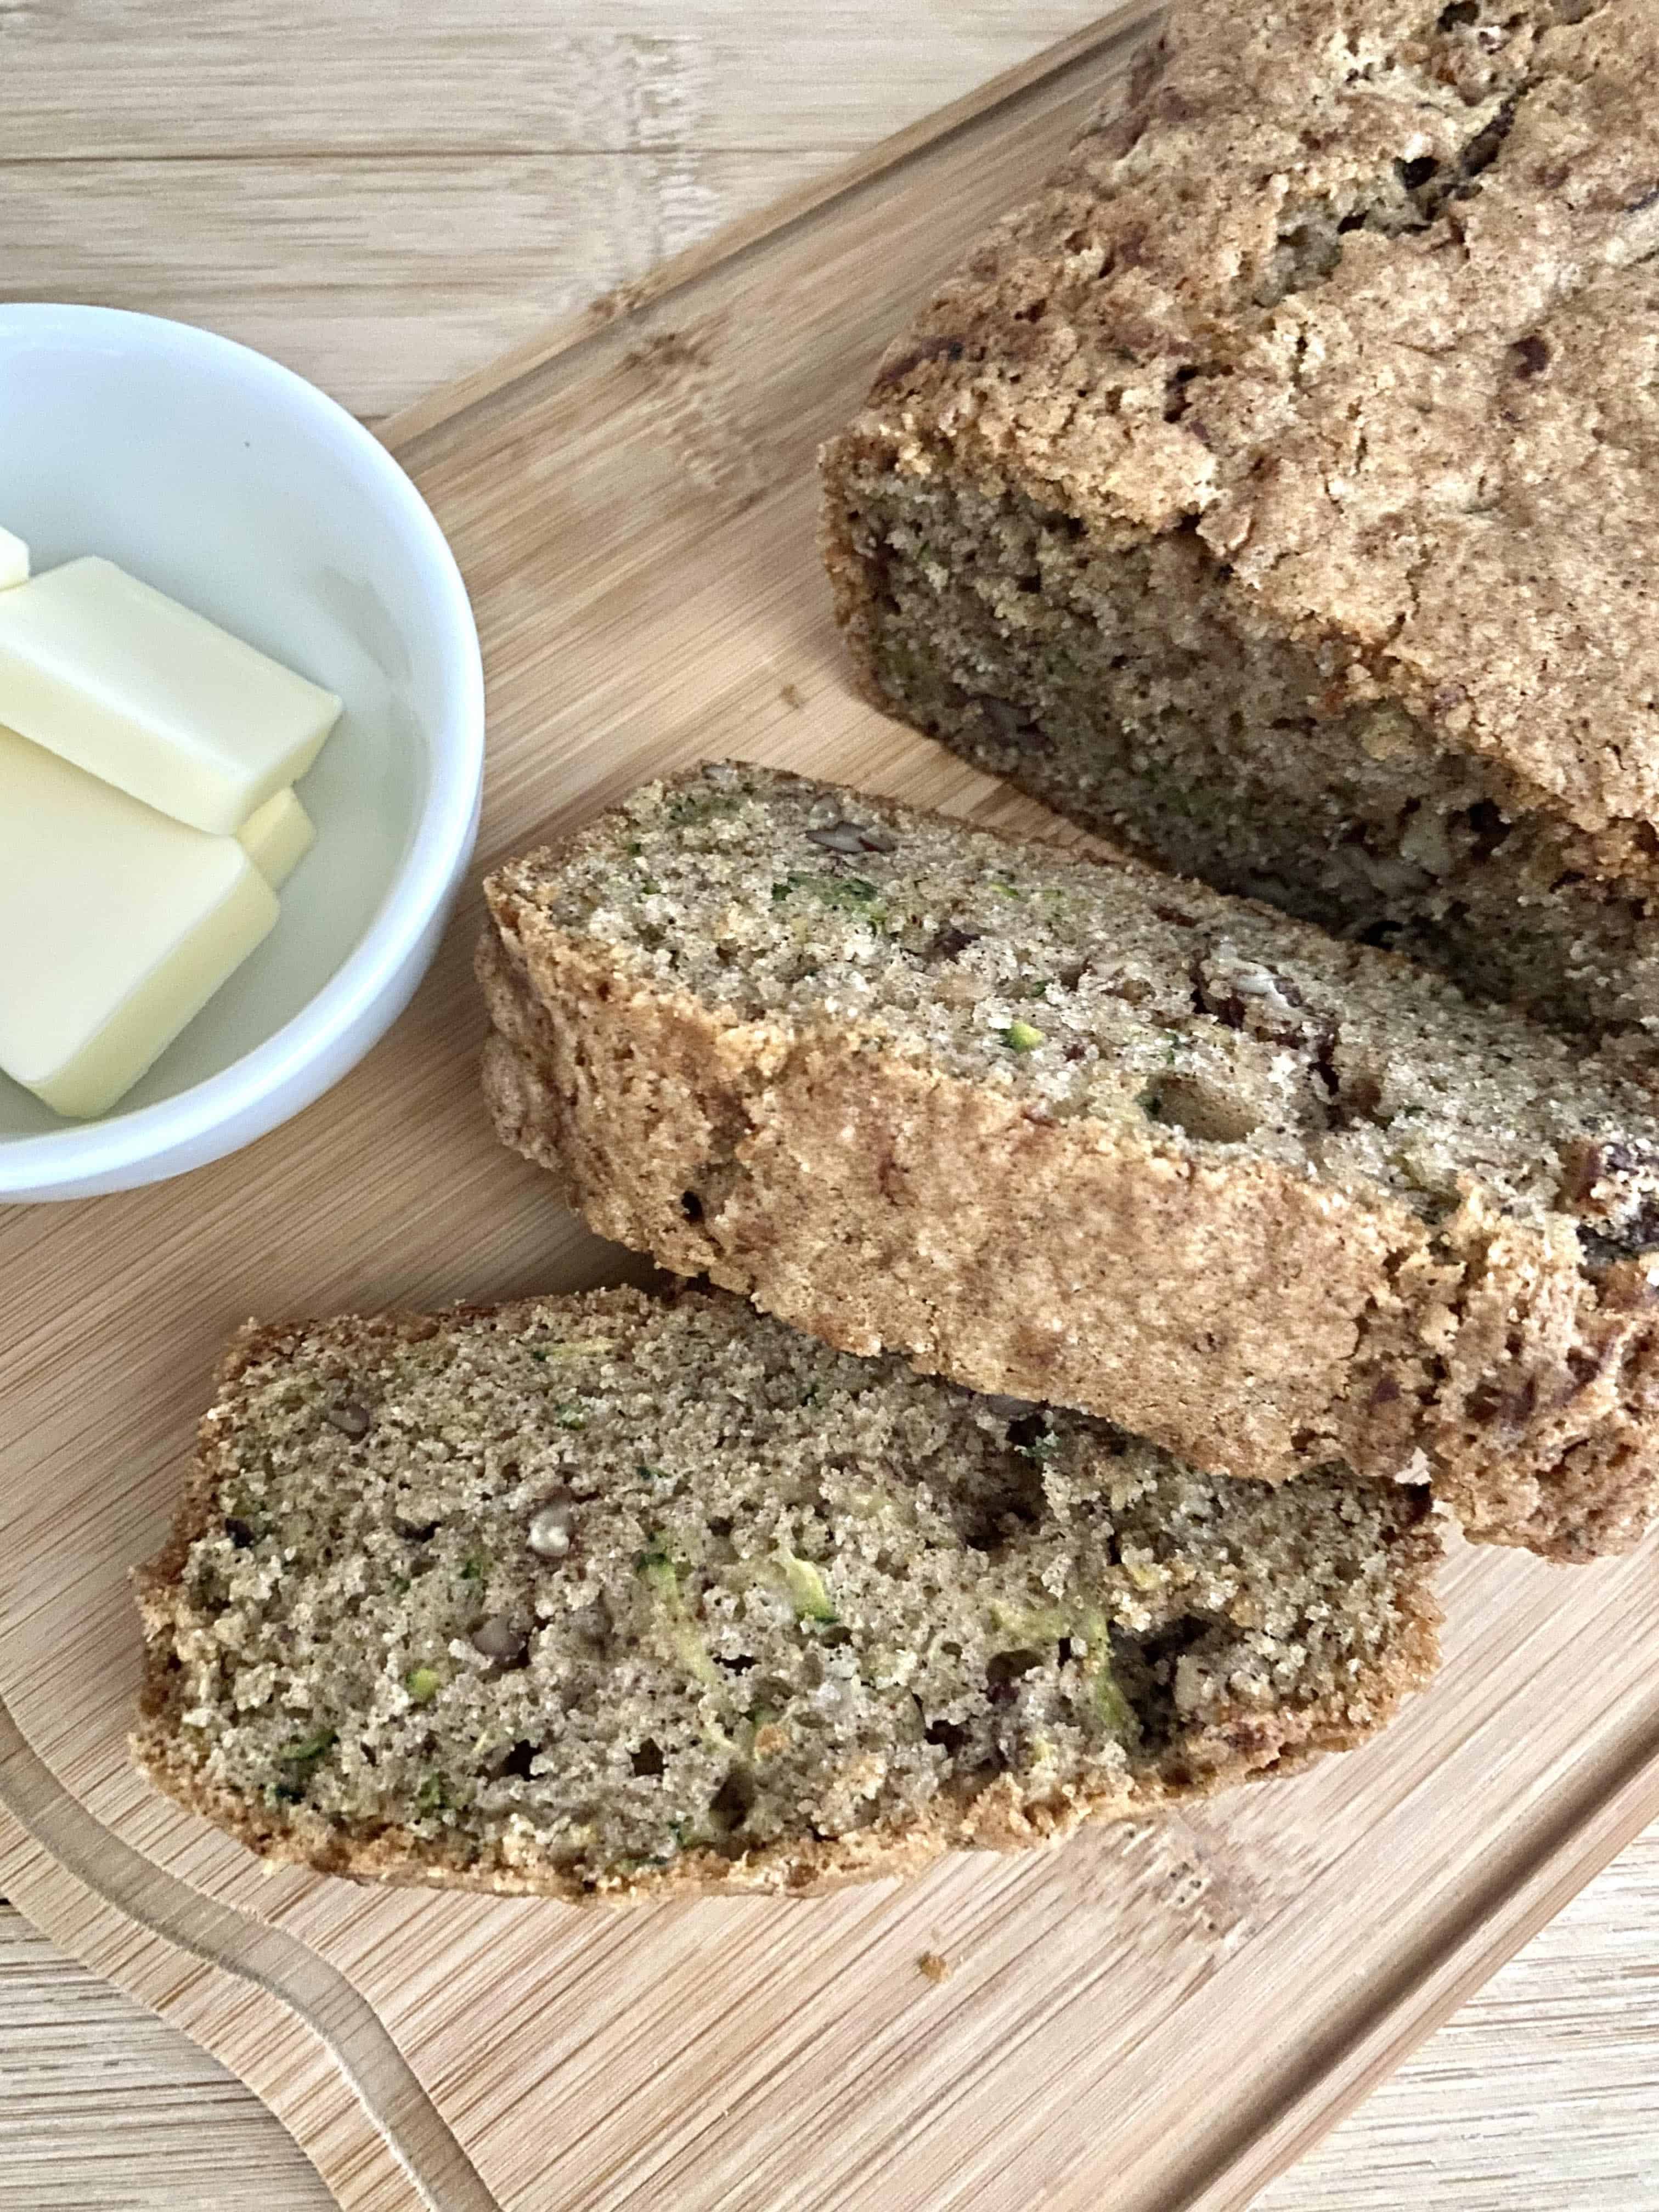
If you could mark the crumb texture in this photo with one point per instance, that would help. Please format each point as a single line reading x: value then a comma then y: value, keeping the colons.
x: 1087, y: 1133
x: 1280, y: 487
x: 597, y: 1595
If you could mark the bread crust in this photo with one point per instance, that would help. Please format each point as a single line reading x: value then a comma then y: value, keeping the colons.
x: 1304, y: 402
x: 1244, y: 1744
x: 1253, y: 1323
x: 1421, y: 454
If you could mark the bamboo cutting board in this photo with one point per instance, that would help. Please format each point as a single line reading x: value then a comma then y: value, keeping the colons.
x: 1156, y: 2015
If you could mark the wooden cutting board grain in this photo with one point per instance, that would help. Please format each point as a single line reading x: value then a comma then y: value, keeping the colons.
x: 1165, y: 2014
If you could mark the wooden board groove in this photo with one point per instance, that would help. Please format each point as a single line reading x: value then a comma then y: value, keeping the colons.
x: 1172, y: 2010
x: 1115, y: 32
x: 442, y: 2175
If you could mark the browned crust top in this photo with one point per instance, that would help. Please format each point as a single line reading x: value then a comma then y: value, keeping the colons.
x: 1370, y: 301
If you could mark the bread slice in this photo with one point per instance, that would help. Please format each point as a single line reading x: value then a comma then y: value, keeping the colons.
x: 610, y: 1595
x: 1090, y: 1134
x: 1279, y: 488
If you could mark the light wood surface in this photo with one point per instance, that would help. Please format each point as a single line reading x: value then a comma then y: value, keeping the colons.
x: 1541, y: 2094
x: 387, y: 193
x: 1134, y: 1925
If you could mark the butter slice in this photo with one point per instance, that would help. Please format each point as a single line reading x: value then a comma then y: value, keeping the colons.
x: 14, y: 560
x: 276, y: 837
x: 116, y: 925
x: 125, y: 682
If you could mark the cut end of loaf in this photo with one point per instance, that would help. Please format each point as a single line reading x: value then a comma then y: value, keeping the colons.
x: 1138, y: 696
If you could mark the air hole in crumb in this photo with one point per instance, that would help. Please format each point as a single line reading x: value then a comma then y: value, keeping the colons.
x: 949, y: 943
x: 1506, y: 1406
x: 732, y: 1803
x: 1145, y: 1666
x: 1488, y: 827
x: 648, y: 1759
x: 691, y: 1206
x: 1176, y: 396
x: 741, y: 1665
x: 1031, y: 1434
x: 1358, y: 1098
x: 1413, y: 173
x: 1459, y: 15
x: 947, y: 1735
x: 1019, y: 1502
x: 1585, y: 1366
x: 1200, y: 1110
x: 517, y: 1762
x: 1004, y: 1668
x: 1530, y: 354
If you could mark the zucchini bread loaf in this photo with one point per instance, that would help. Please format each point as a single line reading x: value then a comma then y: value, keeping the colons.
x: 611, y: 1593
x: 1094, y: 1135
x: 1280, y: 488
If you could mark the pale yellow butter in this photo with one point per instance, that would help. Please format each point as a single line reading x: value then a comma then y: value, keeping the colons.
x: 127, y: 683
x: 14, y: 560
x: 276, y: 837
x: 116, y: 925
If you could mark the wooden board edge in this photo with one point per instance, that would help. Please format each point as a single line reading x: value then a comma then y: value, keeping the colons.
x: 84, y: 1888
x: 1503, y: 1917
x: 1128, y: 21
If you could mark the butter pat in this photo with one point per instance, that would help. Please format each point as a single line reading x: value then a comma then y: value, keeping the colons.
x: 277, y: 837
x: 14, y: 560
x: 125, y: 682
x: 116, y: 925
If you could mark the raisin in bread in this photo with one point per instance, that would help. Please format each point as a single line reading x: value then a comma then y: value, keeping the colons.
x: 1090, y: 1134
x: 1280, y: 487
x: 604, y: 1595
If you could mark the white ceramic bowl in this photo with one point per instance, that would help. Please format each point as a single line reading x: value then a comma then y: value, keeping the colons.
x: 238, y: 487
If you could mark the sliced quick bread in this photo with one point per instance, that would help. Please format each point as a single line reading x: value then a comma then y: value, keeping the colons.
x: 1088, y: 1134
x: 610, y: 1595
